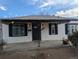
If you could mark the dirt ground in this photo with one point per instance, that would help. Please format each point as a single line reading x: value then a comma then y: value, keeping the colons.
x: 42, y: 53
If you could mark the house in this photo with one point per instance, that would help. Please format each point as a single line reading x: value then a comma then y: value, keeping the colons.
x: 31, y: 28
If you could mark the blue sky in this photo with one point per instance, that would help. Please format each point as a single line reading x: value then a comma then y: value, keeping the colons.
x: 14, y: 8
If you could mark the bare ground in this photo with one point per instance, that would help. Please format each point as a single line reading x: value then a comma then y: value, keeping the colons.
x: 42, y: 53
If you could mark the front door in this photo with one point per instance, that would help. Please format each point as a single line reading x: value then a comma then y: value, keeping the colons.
x: 36, y: 30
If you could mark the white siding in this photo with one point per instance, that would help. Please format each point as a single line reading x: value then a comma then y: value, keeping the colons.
x: 44, y: 34
x: 15, y: 39
x: 61, y: 33
x: 1, y: 31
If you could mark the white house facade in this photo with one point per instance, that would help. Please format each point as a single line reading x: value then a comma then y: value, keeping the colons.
x: 27, y: 29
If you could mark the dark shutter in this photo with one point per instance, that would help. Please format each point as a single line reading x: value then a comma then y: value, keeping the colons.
x: 66, y: 28
x: 56, y: 29
x: 10, y: 29
x: 49, y: 29
x: 25, y: 29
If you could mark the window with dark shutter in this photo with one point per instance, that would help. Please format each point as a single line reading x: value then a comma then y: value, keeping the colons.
x: 25, y: 29
x: 70, y: 28
x: 10, y: 29
x: 66, y: 28
x: 16, y: 30
x: 53, y: 29
x: 49, y: 29
x: 56, y: 29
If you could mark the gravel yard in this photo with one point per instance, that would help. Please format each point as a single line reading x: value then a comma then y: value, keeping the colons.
x: 42, y: 53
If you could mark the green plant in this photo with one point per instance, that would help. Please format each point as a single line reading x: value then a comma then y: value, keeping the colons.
x: 74, y: 38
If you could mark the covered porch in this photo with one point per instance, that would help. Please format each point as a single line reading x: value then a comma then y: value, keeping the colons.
x: 25, y: 46
x: 34, y: 30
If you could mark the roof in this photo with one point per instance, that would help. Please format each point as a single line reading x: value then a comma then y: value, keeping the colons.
x: 39, y: 17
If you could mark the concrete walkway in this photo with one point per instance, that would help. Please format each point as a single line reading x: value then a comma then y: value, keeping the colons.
x: 32, y: 45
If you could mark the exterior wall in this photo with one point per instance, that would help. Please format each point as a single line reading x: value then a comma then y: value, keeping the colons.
x: 44, y: 33
x: 60, y: 36
x: 61, y: 32
x: 1, y: 35
x: 15, y: 39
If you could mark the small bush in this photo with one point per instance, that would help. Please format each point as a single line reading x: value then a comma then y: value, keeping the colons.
x: 74, y: 38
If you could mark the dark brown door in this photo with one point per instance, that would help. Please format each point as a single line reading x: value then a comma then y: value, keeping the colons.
x: 36, y: 30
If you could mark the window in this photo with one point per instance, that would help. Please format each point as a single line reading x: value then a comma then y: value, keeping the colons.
x: 17, y: 30
x: 70, y: 28
x: 53, y: 29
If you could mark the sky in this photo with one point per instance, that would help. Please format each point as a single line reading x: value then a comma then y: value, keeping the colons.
x: 14, y: 8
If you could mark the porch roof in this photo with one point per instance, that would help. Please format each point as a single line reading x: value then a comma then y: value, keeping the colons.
x: 40, y: 17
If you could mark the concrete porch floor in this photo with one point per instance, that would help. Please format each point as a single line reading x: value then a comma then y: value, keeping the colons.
x: 33, y: 45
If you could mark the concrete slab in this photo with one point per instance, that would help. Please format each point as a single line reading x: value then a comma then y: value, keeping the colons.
x: 32, y: 45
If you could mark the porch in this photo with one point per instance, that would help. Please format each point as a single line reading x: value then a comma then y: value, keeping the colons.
x: 33, y: 45
x: 29, y: 31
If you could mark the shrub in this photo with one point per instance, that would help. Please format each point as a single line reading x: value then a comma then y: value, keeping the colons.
x: 74, y: 38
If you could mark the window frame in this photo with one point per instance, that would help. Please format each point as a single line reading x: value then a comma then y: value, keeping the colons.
x: 11, y: 30
x: 50, y: 28
x: 66, y: 27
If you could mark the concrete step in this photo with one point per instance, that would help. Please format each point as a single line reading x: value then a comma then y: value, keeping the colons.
x: 33, y: 45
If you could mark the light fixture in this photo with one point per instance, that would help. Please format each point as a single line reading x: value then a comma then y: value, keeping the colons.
x: 42, y: 26
x: 12, y: 22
